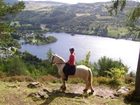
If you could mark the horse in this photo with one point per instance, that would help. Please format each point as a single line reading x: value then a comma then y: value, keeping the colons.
x: 82, y: 72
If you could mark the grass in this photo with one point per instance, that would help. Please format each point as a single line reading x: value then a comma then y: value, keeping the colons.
x: 17, y: 93
x: 14, y: 93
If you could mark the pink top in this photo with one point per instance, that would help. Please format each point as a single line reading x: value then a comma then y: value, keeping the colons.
x: 72, y: 59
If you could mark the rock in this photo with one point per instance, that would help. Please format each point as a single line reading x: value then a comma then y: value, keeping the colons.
x: 34, y: 95
x: 34, y: 85
x: 121, y: 91
x: 41, y: 94
x: 104, y: 93
x: 46, y: 90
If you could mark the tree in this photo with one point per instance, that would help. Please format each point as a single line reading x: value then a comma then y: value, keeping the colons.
x: 133, y: 17
x: 7, y: 10
x: 86, y: 61
x: 137, y: 82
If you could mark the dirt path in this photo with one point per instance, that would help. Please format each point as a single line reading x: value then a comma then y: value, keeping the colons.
x: 99, y: 91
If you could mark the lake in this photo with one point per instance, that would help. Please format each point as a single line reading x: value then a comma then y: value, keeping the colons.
x: 125, y: 50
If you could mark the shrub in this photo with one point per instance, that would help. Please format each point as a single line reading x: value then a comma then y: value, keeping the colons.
x: 106, y: 64
x: 116, y: 73
x: 15, y: 66
x: 115, y: 83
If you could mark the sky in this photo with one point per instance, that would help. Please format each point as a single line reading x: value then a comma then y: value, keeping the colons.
x: 74, y: 1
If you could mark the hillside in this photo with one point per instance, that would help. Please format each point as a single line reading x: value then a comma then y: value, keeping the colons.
x: 11, y: 1
x: 82, y: 18
x: 49, y: 94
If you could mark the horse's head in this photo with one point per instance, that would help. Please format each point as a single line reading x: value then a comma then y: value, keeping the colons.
x: 57, y: 59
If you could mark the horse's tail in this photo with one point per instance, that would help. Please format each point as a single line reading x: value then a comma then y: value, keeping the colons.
x: 90, y: 77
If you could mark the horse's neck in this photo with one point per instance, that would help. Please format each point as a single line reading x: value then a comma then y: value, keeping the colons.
x: 60, y: 66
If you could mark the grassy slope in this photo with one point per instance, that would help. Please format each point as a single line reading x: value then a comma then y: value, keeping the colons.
x: 16, y: 93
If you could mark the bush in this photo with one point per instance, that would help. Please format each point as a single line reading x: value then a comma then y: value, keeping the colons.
x: 15, y: 66
x: 106, y: 64
x: 115, y: 83
x: 116, y: 73
x: 26, y: 64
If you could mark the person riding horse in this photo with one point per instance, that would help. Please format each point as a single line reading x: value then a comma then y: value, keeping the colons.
x: 83, y: 72
x: 69, y: 68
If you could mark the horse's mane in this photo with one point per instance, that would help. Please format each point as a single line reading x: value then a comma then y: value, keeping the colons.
x: 62, y: 59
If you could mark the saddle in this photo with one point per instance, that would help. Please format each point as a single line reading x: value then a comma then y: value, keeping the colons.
x: 69, y: 70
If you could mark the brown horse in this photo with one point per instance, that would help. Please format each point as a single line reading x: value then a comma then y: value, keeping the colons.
x: 82, y: 72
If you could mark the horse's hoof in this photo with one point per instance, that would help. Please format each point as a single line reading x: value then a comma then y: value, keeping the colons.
x: 63, y: 88
x: 85, y: 91
x: 92, y: 91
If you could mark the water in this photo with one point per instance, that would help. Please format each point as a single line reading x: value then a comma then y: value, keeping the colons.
x: 125, y: 50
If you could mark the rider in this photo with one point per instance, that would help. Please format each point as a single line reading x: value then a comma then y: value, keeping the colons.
x: 71, y: 60
x: 69, y: 68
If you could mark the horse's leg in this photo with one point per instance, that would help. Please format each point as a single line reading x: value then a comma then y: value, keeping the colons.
x: 92, y: 91
x: 86, y: 88
x: 63, y: 87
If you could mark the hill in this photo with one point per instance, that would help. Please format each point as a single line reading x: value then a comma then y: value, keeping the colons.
x: 10, y: 1
x: 82, y: 18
